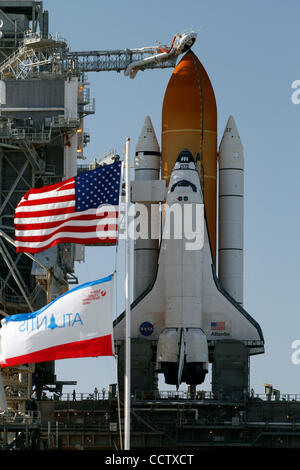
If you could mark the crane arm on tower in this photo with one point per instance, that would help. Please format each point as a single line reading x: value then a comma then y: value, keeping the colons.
x: 37, y: 52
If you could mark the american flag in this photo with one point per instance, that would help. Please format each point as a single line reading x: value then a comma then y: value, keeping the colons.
x: 217, y: 325
x: 82, y: 209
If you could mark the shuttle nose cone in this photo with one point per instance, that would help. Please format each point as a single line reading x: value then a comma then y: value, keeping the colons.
x: 231, y: 152
x: 231, y: 134
x: 147, y: 140
x: 185, y: 156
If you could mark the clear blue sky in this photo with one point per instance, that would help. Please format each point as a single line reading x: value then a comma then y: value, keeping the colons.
x: 250, y: 51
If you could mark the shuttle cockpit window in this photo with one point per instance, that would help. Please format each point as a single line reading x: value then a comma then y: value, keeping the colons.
x: 184, y: 183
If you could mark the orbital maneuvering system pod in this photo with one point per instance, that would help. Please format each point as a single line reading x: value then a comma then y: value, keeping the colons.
x: 181, y: 311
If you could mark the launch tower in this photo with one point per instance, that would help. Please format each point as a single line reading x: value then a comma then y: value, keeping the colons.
x: 41, y: 138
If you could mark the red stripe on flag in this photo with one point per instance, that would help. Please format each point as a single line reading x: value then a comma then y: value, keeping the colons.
x: 98, y: 217
x: 73, y: 229
x: 62, y: 185
x: 48, y: 200
x: 46, y: 213
x: 83, y: 241
x: 86, y: 348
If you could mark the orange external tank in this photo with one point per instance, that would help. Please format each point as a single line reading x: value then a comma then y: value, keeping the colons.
x: 189, y: 120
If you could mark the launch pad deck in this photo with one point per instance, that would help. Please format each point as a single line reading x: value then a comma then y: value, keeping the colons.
x: 172, y: 421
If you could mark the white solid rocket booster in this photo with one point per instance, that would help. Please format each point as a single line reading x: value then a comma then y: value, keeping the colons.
x: 231, y: 211
x: 147, y: 168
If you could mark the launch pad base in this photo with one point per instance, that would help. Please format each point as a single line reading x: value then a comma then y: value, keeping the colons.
x: 172, y: 419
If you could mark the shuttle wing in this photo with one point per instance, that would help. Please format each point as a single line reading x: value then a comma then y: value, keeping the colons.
x: 223, y: 317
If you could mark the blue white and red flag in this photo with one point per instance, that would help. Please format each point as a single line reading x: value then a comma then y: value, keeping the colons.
x: 77, y: 324
x: 217, y: 325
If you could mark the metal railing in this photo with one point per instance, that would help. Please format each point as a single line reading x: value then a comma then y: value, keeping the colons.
x: 13, y: 417
x: 89, y: 108
x: 15, y: 298
x: 25, y: 133
x: 50, y: 169
x: 64, y: 121
x: 183, y: 396
x: 82, y: 396
x: 33, y: 38
x: 62, y: 427
x: 12, y: 299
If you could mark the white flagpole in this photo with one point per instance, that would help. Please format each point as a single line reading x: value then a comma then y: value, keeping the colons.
x: 127, y: 299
